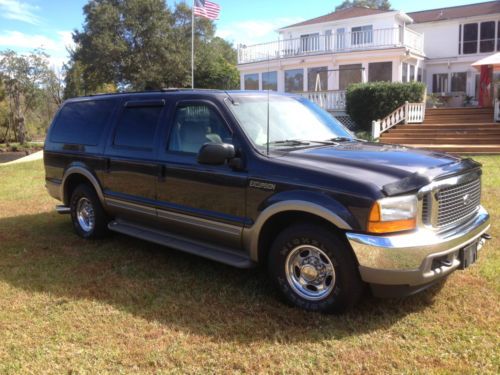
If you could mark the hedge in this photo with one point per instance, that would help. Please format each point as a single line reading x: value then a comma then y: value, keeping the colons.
x: 375, y: 100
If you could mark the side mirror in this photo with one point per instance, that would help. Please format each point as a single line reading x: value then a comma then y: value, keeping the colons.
x: 216, y: 153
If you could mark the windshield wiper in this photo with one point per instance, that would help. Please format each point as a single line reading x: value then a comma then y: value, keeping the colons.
x: 289, y: 142
x: 341, y: 139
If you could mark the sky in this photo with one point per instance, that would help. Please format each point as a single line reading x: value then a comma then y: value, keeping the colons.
x: 48, y: 24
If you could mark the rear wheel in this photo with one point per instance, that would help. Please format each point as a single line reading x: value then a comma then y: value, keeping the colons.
x: 314, y: 269
x: 89, y: 219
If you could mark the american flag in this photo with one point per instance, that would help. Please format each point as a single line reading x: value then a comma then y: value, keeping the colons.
x: 207, y: 9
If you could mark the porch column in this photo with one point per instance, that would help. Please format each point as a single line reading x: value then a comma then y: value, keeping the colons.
x: 364, y: 72
x: 333, y: 81
x: 397, y: 71
x: 242, y: 81
x: 281, y: 80
x: 260, y: 81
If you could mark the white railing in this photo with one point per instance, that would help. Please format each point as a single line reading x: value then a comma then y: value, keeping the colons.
x: 333, y: 100
x: 496, y: 110
x: 409, y: 113
x: 414, y: 40
x: 330, y: 43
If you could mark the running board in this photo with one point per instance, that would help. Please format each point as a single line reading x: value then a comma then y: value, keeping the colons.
x: 220, y: 254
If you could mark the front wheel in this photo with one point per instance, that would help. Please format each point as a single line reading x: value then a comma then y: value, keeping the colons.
x: 314, y: 269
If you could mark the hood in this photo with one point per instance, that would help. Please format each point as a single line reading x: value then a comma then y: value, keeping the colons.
x: 377, y: 163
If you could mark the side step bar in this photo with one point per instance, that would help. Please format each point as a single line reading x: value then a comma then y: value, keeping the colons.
x: 219, y: 254
x: 61, y: 209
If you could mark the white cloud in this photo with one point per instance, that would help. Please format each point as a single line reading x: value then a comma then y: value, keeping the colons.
x: 255, y: 31
x: 55, y: 47
x: 20, y: 11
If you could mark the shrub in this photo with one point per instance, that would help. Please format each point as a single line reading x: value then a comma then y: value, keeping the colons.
x: 375, y: 100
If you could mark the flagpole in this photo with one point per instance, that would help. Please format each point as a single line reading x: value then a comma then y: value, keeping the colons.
x: 192, y: 46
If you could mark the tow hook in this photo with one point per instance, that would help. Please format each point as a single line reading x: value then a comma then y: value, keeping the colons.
x: 485, y: 237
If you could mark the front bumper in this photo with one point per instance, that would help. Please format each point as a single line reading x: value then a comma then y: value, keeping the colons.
x: 415, y: 259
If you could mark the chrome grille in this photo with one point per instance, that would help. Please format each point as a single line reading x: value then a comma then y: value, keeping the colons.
x: 457, y: 203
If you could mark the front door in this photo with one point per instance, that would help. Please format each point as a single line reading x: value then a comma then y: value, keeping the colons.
x: 202, y: 201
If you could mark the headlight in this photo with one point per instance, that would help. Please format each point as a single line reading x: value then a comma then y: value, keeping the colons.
x: 393, y: 214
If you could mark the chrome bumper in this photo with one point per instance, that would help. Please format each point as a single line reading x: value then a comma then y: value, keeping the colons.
x: 407, y: 259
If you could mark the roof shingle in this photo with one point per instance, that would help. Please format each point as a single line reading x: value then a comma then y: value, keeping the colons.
x: 339, y: 15
x: 461, y: 11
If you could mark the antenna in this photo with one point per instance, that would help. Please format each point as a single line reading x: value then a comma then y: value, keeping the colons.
x: 267, y: 144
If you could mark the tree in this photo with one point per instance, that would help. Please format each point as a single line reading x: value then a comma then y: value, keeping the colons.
x: 142, y: 45
x: 373, y: 4
x: 29, y: 85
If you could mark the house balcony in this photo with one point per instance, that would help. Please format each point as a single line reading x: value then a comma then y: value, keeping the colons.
x: 316, y: 44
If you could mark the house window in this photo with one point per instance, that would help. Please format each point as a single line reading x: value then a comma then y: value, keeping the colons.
x: 270, y: 81
x: 419, y: 75
x: 458, y: 81
x: 252, y: 81
x: 349, y: 74
x: 380, y: 71
x: 498, y: 36
x: 440, y: 82
x: 294, y: 80
x: 317, y: 79
x: 405, y: 72
x: 470, y: 38
x: 487, y: 37
x: 362, y: 35
x: 309, y: 42
x: 412, y: 72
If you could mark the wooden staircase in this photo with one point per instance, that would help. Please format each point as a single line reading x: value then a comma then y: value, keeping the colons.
x: 455, y: 130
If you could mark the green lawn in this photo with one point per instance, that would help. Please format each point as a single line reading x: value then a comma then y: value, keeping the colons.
x: 122, y: 305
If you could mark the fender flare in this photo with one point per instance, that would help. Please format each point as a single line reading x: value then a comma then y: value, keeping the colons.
x: 85, y: 172
x: 251, y: 235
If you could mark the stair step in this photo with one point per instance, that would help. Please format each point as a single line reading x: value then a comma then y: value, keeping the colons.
x: 441, y: 140
x: 461, y: 149
x: 220, y: 254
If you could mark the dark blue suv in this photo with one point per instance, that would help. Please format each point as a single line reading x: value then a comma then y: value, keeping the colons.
x: 249, y: 178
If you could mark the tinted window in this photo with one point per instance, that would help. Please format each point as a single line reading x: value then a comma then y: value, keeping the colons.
x: 82, y: 122
x: 349, y: 74
x: 381, y: 71
x: 294, y: 80
x: 470, y: 38
x: 195, y: 125
x: 136, y: 127
x: 270, y: 81
x: 251, y: 81
x: 317, y: 79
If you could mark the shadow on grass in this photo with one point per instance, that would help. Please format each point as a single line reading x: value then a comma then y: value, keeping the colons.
x: 41, y: 254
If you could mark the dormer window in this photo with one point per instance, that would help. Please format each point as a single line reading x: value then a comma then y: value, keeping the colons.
x: 362, y: 35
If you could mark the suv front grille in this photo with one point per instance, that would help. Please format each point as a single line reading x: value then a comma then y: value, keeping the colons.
x: 457, y: 203
x: 450, y: 204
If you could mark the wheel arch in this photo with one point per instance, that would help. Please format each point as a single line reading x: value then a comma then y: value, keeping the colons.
x: 272, y: 220
x: 76, y: 175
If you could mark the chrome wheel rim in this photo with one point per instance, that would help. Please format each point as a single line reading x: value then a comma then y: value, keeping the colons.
x: 85, y: 214
x: 310, y: 272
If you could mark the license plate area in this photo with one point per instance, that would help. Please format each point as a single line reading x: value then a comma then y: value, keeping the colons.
x: 468, y: 255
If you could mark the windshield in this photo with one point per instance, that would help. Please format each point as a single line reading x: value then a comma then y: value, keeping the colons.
x: 293, y: 121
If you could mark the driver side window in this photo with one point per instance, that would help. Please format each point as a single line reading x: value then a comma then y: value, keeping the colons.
x: 195, y: 125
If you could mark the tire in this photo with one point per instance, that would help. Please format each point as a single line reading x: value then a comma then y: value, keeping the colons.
x: 314, y: 269
x: 87, y: 214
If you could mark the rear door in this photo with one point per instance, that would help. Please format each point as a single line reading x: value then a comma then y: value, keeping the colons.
x: 131, y: 166
x: 201, y: 201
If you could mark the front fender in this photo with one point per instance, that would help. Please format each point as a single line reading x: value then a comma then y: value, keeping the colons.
x: 316, y: 204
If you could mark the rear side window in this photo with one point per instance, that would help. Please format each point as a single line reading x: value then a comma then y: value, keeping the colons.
x: 136, y: 127
x: 82, y: 122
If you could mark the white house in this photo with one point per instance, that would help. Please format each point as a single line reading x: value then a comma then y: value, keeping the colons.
x: 329, y: 52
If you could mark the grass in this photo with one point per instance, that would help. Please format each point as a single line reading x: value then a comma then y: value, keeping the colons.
x: 121, y: 305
